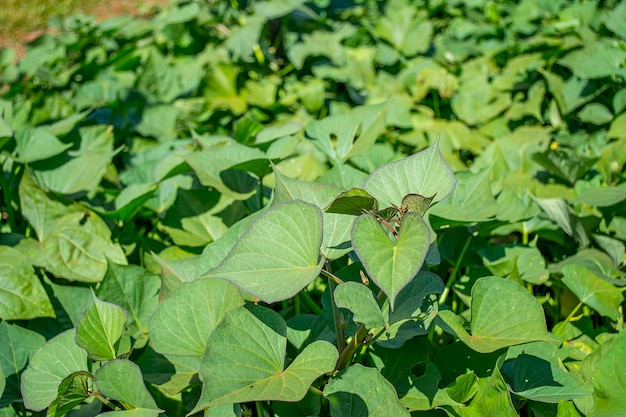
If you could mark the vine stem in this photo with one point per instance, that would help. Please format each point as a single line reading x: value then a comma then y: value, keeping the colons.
x: 346, y: 354
x: 341, y: 338
x: 455, y: 271
x: 104, y: 401
x: 569, y: 317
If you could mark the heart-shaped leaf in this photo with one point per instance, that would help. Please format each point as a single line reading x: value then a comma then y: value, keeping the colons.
x: 391, y: 265
x: 100, y: 328
x: 593, y: 290
x: 278, y: 255
x: 244, y: 360
x: 336, y: 228
x: 425, y: 173
x: 182, y: 323
x: 41, y: 380
x: 121, y: 380
x: 361, y: 392
x: 503, y: 314
x: 360, y: 300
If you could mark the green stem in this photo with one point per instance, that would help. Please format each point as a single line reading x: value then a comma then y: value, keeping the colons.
x: 436, y: 105
x: 332, y: 276
x: 341, y: 338
x: 296, y: 304
x: 524, y: 233
x: 259, y: 409
x: 562, y: 325
x: 310, y: 304
x: 260, y: 193
x: 316, y: 391
x: 455, y: 271
x: 6, y: 194
x: 106, y: 402
x: 346, y: 354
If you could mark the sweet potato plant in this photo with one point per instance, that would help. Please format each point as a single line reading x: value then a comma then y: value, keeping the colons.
x: 317, y: 208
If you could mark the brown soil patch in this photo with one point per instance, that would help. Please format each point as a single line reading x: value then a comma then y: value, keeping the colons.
x: 101, y: 11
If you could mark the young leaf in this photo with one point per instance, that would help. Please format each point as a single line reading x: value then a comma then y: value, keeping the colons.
x: 593, y: 290
x: 416, y: 203
x: 121, y: 380
x: 425, y: 173
x: 360, y: 300
x: 354, y: 202
x: 100, y: 328
x: 182, y: 323
x: 73, y: 390
x: 360, y: 392
x: 278, y: 255
x: 52, y: 363
x: 391, y: 265
x: 22, y: 297
x: 34, y: 144
x: 245, y: 356
x: 503, y: 314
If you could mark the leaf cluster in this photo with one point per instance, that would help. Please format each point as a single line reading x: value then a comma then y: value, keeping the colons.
x: 322, y: 208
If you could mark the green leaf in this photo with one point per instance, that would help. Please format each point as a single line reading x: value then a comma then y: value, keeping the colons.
x: 360, y: 300
x: 503, y: 314
x: 365, y: 122
x: 536, y: 373
x: 81, y: 170
x: 416, y: 203
x: 609, y: 381
x: 244, y: 360
x: 558, y: 211
x: 354, y: 202
x: 336, y: 228
x: 425, y: 173
x: 41, y: 211
x: 360, y: 392
x: 17, y: 347
x: 100, y: 328
x: 121, y: 380
x: 34, y: 144
x: 407, y: 31
x: 601, y: 58
x: 593, y: 290
x: 391, y: 265
x: 77, y: 248
x: 135, y: 290
x: 278, y: 255
x: 471, y: 200
x: 595, y: 113
x: 492, y: 397
x: 52, y: 363
x: 602, y: 196
x: 73, y: 390
x: 182, y: 323
x: 171, y: 373
x: 22, y: 297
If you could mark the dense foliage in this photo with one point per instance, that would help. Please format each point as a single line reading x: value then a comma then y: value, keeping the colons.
x: 291, y: 208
